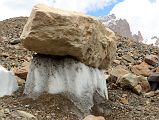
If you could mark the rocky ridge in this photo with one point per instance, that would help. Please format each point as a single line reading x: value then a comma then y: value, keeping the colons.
x: 122, y: 104
x: 120, y: 26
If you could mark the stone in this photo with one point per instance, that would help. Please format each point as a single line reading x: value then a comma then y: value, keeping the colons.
x: 138, y: 84
x: 128, y: 58
x: 116, y: 62
x: 124, y: 101
x: 157, y: 70
x: 22, y: 72
x: 14, y: 41
x: 2, y: 114
x: 154, y: 81
x: 149, y: 94
x: 141, y: 69
x: 118, y: 71
x: 20, y: 81
x: 62, y: 33
x: 128, y: 81
x: 143, y: 81
x: 151, y: 59
x: 4, y: 55
x: 137, y: 89
x: 92, y: 117
x: 26, y: 115
x: 157, y: 92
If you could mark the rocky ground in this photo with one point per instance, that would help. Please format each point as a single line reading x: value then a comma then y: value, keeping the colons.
x: 122, y: 104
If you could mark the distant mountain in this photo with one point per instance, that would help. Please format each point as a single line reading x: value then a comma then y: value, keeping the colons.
x: 120, y: 26
x: 156, y: 39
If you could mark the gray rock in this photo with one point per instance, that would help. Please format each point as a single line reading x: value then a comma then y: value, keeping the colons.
x: 15, y: 41
x: 151, y: 59
x: 154, y: 81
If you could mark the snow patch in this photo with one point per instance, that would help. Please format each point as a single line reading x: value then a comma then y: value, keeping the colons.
x: 8, y: 83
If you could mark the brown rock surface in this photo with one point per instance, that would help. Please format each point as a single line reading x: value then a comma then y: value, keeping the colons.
x: 23, y: 71
x: 118, y: 71
x: 141, y: 69
x: 151, y: 59
x: 56, y: 32
x: 138, y: 84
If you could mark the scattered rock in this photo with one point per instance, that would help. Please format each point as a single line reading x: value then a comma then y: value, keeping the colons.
x: 2, y: 114
x: 22, y: 72
x: 92, y: 117
x: 20, y: 81
x: 124, y: 100
x: 154, y: 81
x: 157, y: 92
x: 128, y: 58
x: 83, y: 37
x: 15, y: 41
x: 157, y: 70
x: 151, y: 59
x: 118, y: 72
x: 137, y: 89
x: 143, y: 81
x: 149, y: 94
x: 141, y: 69
x: 26, y: 115
x: 138, y: 84
x: 116, y: 62
x: 4, y: 55
x: 128, y: 81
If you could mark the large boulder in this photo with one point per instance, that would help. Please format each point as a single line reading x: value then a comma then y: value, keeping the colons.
x: 56, y: 32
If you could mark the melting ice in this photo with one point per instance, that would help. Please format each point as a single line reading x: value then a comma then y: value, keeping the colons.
x: 67, y: 76
x: 8, y: 83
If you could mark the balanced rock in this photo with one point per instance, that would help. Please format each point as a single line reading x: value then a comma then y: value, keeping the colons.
x: 56, y: 32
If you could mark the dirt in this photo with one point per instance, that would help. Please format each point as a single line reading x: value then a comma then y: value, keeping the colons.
x: 57, y: 107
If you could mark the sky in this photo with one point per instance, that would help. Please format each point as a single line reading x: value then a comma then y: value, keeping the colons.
x: 142, y: 15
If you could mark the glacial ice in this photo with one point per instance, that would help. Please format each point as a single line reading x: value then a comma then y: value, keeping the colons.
x: 8, y: 83
x: 67, y: 76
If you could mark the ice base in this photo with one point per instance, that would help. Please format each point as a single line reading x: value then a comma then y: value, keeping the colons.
x: 67, y: 76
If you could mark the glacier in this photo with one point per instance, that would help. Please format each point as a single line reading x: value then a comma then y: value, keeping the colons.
x: 66, y: 76
x: 8, y: 83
